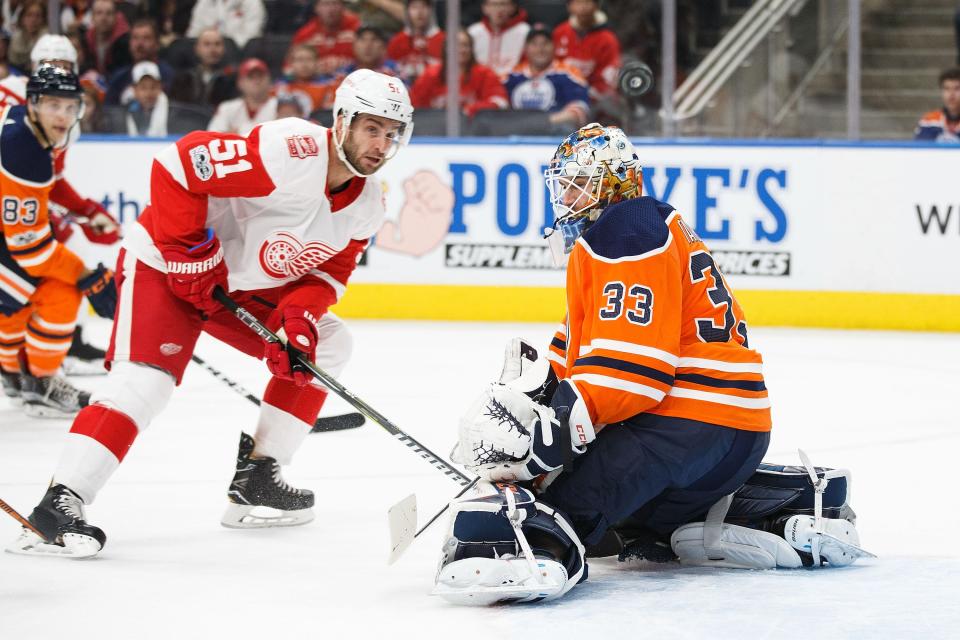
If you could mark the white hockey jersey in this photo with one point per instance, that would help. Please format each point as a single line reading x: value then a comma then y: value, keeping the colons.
x: 265, y: 197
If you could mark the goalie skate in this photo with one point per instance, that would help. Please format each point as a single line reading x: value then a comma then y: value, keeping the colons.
x: 485, y: 581
x: 259, y: 497
x: 60, y: 518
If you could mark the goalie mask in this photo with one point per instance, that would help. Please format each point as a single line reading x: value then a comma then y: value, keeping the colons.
x: 366, y: 92
x: 593, y: 167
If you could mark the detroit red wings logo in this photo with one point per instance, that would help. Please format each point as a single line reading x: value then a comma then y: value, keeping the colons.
x: 283, y: 255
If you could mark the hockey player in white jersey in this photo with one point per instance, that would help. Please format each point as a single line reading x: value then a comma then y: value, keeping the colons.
x: 278, y: 219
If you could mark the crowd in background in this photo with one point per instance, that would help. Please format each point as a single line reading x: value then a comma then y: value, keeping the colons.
x: 160, y: 67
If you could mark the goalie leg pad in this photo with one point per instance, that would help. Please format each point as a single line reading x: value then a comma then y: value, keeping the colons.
x: 504, y: 546
x: 739, y: 548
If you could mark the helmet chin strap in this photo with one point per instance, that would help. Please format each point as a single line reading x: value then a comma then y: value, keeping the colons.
x: 338, y: 143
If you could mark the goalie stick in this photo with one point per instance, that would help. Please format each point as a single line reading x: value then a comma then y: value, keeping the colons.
x: 340, y: 422
x: 403, y: 515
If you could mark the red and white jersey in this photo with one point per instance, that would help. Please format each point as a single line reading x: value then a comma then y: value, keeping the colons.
x: 265, y: 197
x: 13, y: 91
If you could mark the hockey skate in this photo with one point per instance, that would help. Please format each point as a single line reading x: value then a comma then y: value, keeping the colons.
x: 11, y: 387
x: 51, y: 397
x: 60, y: 518
x: 83, y: 359
x: 260, y: 498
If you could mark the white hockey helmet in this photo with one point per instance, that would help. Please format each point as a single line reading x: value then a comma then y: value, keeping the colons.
x: 53, y: 47
x: 367, y: 92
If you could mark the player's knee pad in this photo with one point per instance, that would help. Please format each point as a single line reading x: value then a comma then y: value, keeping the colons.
x: 504, y: 546
x: 136, y: 390
x: 334, y: 345
x: 781, y: 517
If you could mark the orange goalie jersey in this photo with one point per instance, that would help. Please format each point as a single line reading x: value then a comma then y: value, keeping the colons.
x: 653, y: 327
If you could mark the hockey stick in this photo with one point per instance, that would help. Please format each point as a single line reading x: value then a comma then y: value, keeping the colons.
x: 323, y: 423
x: 19, y: 518
x: 372, y: 414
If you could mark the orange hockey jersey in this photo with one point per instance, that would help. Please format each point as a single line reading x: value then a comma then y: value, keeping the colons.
x: 652, y: 325
x: 29, y: 251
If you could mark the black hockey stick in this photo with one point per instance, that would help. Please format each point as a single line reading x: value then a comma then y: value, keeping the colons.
x: 372, y: 414
x: 340, y: 422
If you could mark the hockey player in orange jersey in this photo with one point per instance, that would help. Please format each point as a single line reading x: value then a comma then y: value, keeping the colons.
x: 649, y: 407
x: 41, y: 280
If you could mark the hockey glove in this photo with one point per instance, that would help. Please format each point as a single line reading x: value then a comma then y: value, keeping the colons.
x: 297, y: 329
x: 97, y: 224
x: 193, y: 273
x: 506, y: 437
x: 524, y: 370
x: 60, y: 223
x: 101, y: 290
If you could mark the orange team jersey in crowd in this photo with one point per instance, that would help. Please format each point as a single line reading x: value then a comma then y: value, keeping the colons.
x: 653, y: 327
x: 38, y: 275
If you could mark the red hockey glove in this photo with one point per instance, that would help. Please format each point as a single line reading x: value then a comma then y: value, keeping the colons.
x: 193, y: 273
x: 297, y: 329
x: 60, y: 223
x: 97, y: 224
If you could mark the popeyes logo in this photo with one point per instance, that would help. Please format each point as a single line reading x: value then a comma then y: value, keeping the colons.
x: 283, y: 255
x: 302, y: 146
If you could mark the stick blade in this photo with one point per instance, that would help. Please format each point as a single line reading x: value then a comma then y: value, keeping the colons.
x: 403, y: 526
x: 338, y: 423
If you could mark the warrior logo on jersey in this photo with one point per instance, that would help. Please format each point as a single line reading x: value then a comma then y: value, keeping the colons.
x: 302, y: 146
x: 200, y: 158
x: 283, y: 255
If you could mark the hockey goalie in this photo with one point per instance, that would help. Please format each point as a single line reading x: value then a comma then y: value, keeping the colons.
x: 641, y: 431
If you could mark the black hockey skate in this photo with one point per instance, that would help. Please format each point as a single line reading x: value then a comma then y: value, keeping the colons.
x: 258, y: 485
x: 60, y: 518
x: 11, y: 386
x: 84, y: 359
x: 51, y: 397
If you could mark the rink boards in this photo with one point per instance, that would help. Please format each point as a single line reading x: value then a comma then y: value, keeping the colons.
x: 808, y: 234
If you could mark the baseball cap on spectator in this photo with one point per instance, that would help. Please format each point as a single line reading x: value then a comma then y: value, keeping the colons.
x: 297, y: 99
x: 539, y: 29
x: 377, y: 33
x: 145, y: 69
x: 252, y: 65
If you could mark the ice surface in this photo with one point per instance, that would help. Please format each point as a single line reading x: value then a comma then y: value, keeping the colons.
x: 881, y: 404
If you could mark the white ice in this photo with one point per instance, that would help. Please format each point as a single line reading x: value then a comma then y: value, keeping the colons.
x: 882, y: 404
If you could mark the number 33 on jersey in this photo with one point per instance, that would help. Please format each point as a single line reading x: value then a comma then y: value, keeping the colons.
x: 653, y: 326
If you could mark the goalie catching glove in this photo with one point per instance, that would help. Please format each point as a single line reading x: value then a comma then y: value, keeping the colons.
x: 506, y: 436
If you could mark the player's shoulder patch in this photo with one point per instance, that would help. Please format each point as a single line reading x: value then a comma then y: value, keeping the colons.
x: 21, y: 155
x: 629, y: 229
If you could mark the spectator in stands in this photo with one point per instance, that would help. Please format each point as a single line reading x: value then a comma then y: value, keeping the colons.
x: 331, y: 32
x: 76, y: 14
x: 498, y: 38
x: 207, y: 83
x: 144, y: 46
x: 587, y: 44
x: 369, y: 52
x: 239, y: 20
x: 105, y: 40
x: 31, y: 24
x: 255, y: 104
x: 956, y: 29
x: 480, y: 87
x: 386, y: 15
x: 4, y: 46
x: 943, y: 125
x: 147, y: 112
x: 304, y: 80
x: 293, y: 105
x: 420, y: 44
x: 94, y: 91
x: 544, y: 84
x: 172, y: 18
x: 75, y: 35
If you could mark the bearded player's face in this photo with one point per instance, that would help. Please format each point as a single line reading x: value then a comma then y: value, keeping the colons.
x: 369, y: 141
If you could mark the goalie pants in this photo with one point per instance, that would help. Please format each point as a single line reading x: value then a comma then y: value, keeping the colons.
x: 659, y: 472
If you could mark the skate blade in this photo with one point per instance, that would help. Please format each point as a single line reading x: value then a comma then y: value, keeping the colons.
x: 75, y: 546
x: 34, y: 410
x: 244, y: 516
x: 76, y: 367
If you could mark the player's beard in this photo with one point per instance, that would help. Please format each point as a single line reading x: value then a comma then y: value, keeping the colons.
x: 353, y: 157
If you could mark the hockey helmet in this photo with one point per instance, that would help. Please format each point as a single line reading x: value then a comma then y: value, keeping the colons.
x: 367, y: 92
x: 53, y: 47
x: 593, y: 167
x: 51, y: 80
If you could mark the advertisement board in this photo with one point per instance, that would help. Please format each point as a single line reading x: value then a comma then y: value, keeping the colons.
x: 806, y: 234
